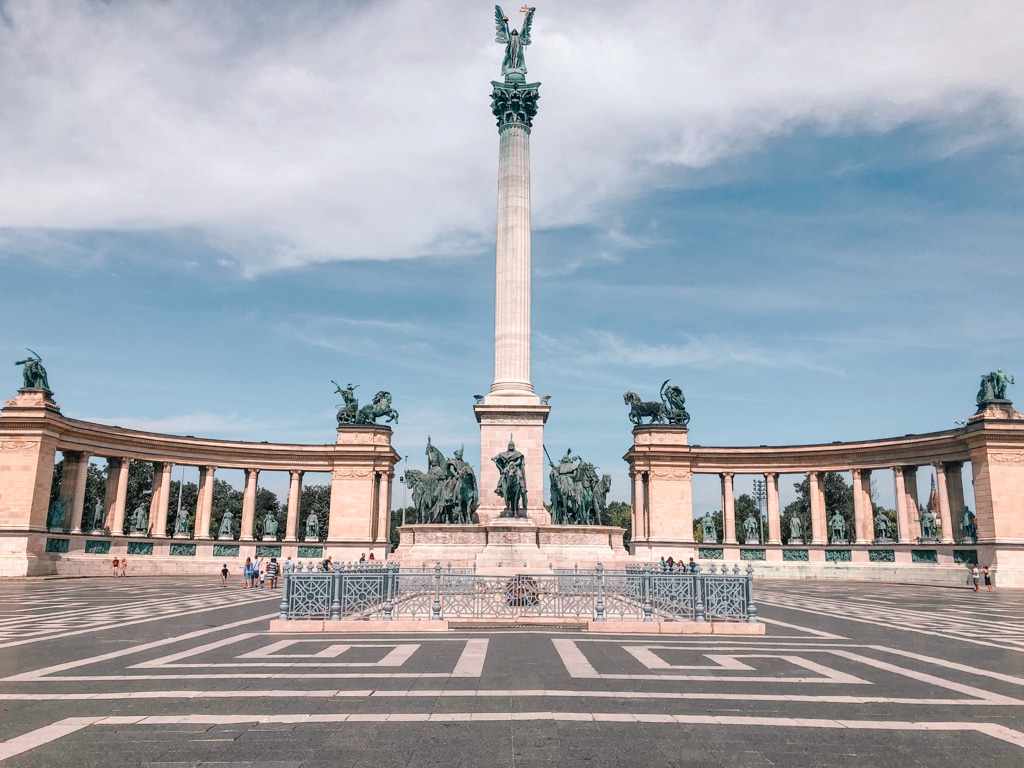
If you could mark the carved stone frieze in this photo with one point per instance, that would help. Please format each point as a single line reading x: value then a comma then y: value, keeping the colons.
x: 1006, y: 458
x: 671, y: 474
x: 18, y: 446
x: 337, y: 474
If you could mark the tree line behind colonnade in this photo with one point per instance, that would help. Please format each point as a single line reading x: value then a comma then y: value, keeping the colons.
x: 313, y: 500
x: 838, y: 498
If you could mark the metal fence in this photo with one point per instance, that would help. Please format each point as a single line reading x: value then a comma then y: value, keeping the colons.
x: 388, y: 593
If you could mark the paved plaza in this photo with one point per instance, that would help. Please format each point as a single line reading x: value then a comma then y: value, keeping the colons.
x: 173, y: 673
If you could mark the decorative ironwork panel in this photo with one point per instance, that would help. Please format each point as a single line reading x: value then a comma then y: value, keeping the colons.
x: 225, y: 550
x: 571, y: 595
x: 413, y: 595
x: 97, y: 547
x: 362, y: 594
x: 882, y: 555
x: 710, y: 553
x: 752, y: 554
x: 141, y: 548
x: 924, y: 556
x: 267, y: 551
x: 481, y: 597
x: 310, y: 552
x: 57, y: 545
x: 794, y: 555
x: 309, y: 595
x: 673, y: 597
x: 183, y: 550
x: 623, y: 596
x: 965, y: 556
x: 838, y: 555
x: 725, y: 598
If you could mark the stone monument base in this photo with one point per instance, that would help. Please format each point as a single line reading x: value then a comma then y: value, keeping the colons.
x: 511, y: 543
x: 996, y: 409
x: 181, y: 535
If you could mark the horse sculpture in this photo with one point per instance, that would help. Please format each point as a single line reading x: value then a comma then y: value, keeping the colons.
x: 381, y: 406
x: 670, y: 409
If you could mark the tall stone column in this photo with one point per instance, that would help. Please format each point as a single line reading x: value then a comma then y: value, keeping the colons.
x: 121, y: 499
x: 901, y: 506
x: 942, y: 490
x: 771, y: 486
x: 728, y: 509
x: 160, y: 527
x: 862, y: 512
x: 249, y: 504
x: 955, y: 486
x: 78, y: 499
x: 913, y: 501
x: 819, y: 534
x: 511, y: 411
x: 204, y: 507
x: 291, y: 527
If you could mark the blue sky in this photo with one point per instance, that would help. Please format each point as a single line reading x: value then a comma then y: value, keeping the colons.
x: 807, y: 217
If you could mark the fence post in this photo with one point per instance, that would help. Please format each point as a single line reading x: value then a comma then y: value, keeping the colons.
x: 283, y: 607
x: 336, y: 589
x: 698, y: 593
x: 648, y: 608
x: 599, y: 608
x: 389, y: 578
x: 436, y: 610
x: 751, y: 608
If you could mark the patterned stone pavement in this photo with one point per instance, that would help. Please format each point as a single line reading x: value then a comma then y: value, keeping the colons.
x: 173, y: 673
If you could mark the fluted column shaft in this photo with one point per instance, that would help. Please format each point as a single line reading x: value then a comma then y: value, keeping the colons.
x: 728, y: 509
x: 204, y: 508
x: 901, y: 506
x: 512, y: 278
x: 249, y: 504
x: 817, y: 494
x: 291, y: 526
x: 771, y: 486
x: 78, y: 499
x: 942, y: 490
x: 863, y: 519
x: 160, y: 528
x: 121, y: 497
x: 913, y: 514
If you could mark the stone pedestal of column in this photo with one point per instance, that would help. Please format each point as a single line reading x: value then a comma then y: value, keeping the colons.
x: 524, y: 424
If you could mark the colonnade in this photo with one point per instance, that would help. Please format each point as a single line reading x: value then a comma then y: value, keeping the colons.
x: 949, y: 489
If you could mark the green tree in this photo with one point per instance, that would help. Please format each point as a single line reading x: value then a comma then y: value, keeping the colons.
x: 621, y: 514
x: 838, y: 498
x: 315, y: 500
x: 189, y: 502
x: 266, y: 501
x: 746, y: 507
x: 396, y: 522
x: 226, y: 498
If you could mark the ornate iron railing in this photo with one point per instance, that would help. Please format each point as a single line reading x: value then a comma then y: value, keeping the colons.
x: 387, y: 593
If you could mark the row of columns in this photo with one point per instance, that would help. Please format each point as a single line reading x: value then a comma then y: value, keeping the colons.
x: 949, y: 488
x: 72, y: 493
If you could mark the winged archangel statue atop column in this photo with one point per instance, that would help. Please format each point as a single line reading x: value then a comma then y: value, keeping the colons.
x: 513, y: 67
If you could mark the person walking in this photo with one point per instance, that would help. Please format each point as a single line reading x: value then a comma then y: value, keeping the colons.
x: 224, y: 575
x: 988, y: 578
x: 272, y: 568
x: 975, y: 577
x: 117, y: 563
x: 124, y: 567
x: 247, y: 572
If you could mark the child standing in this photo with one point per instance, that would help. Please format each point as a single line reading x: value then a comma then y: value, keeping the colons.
x: 224, y: 575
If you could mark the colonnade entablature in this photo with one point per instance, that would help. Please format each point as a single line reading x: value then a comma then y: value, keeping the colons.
x: 32, y: 431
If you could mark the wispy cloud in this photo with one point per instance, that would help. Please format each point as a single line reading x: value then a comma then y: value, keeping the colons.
x: 314, y: 131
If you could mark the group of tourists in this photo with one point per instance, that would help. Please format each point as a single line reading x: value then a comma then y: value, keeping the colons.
x: 977, y: 574
x: 256, y: 574
x: 678, y: 566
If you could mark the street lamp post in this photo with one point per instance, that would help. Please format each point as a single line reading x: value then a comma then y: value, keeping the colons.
x: 761, y: 495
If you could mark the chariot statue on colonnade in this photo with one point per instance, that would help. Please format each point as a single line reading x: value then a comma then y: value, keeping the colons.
x: 671, y: 409
x: 349, y: 411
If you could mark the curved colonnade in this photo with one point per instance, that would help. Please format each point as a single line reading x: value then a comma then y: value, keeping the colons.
x: 32, y: 431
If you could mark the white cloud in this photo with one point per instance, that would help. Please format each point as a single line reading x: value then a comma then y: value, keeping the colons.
x: 304, y: 131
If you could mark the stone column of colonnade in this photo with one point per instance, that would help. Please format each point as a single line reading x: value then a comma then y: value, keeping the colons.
x: 249, y: 504
x: 863, y: 518
x: 771, y: 486
x: 912, y: 501
x: 116, y: 520
x: 816, y: 483
x: 942, y: 490
x: 204, y: 504
x: 728, y: 509
x: 78, y: 480
x: 161, y: 498
x: 291, y: 526
x: 383, y: 504
x: 955, y: 488
x: 903, y: 535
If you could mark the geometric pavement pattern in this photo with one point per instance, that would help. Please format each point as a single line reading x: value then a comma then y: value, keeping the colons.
x: 173, y: 673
